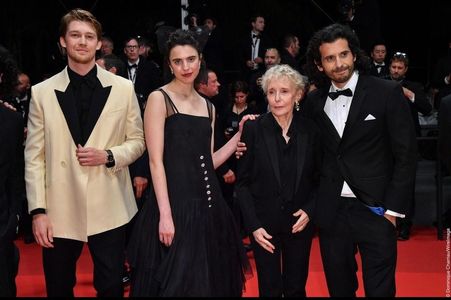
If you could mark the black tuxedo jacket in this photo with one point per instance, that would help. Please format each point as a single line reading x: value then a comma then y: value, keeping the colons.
x: 421, y: 103
x: 11, y: 172
x: 376, y: 154
x: 385, y: 72
x: 148, y: 78
x: 246, y: 49
x: 445, y: 131
x: 259, y: 183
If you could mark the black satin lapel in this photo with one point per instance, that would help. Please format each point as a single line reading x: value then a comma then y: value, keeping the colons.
x: 271, y: 144
x: 324, y: 118
x: 301, y: 147
x: 67, y: 104
x: 330, y: 128
x: 99, y: 98
x: 354, y: 111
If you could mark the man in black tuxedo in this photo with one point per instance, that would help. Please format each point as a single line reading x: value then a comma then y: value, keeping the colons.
x: 369, y: 159
x: 11, y: 177
x: 145, y: 75
x: 378, y: 67
x: 418, y: 102
x: 253, y: 47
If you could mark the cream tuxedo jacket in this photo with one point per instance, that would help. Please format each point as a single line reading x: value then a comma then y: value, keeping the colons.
x: 82, y: 201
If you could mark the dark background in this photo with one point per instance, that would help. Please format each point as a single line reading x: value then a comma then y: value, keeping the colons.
x: 421, y: 29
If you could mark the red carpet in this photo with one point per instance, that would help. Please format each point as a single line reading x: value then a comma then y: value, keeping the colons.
x: 421, y: 271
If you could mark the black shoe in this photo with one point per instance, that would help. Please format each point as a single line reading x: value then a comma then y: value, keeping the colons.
x: 404, y: 233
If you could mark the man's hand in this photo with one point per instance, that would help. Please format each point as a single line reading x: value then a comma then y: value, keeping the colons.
x: 408, y: 93
x: 391, y: 218
x: 7, y: 105
x: 43, y: 230
x: 240, y: 149
x: 140, y: 184
x: 90, y: 156
x: 229, y: 177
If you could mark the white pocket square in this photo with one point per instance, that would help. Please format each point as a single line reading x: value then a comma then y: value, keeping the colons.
x: 370, y: 117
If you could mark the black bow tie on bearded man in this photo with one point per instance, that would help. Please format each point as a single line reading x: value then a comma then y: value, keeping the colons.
x: 334, y: 95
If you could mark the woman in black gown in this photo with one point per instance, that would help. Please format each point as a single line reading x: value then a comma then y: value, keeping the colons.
x: 185, y: 241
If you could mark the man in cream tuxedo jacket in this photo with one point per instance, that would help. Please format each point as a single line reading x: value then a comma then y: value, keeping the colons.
x: 84, y: 129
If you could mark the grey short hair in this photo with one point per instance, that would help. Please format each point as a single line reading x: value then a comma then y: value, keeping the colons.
x: 283, y: 71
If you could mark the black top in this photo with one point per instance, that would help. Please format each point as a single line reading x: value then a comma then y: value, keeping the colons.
x: 83, y: 88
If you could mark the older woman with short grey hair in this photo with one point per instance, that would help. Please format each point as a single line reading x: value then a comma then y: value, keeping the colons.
x: 276, y: 185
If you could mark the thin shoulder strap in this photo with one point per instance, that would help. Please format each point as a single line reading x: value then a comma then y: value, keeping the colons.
x: 172, y: 109
x: 210, y: 109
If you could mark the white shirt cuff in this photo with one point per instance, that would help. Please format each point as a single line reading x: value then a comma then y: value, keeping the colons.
x: 394, y: 214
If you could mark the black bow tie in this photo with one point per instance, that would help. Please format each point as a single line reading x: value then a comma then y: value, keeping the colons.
x: 255, y: 36
x: 334, y: 95
x: 132, y: 66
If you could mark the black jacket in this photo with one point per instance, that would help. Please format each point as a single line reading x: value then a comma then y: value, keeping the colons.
x: 259, y: 182
x: 376, y: 155
x: 11, y: 172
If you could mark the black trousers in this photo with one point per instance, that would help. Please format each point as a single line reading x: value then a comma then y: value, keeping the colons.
x: 107, y: 252
x: 356, y: 228
x: 9, y: 263
x: 285, y: 272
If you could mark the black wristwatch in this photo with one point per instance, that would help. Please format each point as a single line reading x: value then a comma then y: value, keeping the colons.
x: 110, y: 162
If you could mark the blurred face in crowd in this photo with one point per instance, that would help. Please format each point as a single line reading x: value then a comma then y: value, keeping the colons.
x: 398, y: 70
x: 213, y: 84
x: 259, y: 24
x: 131, y: 50
x: 81, y: 42
x: 107, y: 47
x: 295, y: 46
x: 210, y: 24
x: 272, y: 58
x: 378, y: 54
x: 337, y: 61
x: 24, y: 84
x: 240, y: 98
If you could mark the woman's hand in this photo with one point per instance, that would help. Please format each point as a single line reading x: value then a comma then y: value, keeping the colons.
x: 244, y: 119
x: 262, y: 238
x: 166, y: 230
x: 302, y: 221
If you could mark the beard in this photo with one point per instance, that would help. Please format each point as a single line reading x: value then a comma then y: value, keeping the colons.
x: 80, y: 59
x: 342, y: 78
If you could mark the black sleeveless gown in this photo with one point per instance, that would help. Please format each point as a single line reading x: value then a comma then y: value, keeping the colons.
x: 207, y: 257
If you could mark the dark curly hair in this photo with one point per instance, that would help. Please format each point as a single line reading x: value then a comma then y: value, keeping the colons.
x: 9, y: 73
x: 330, y: 34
